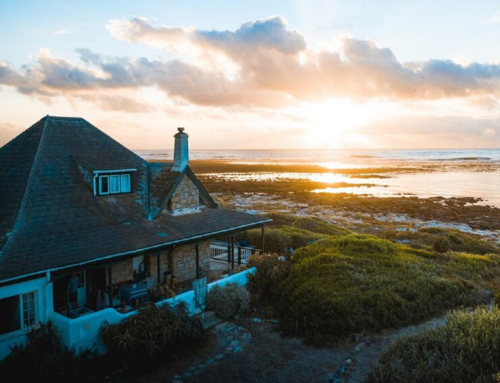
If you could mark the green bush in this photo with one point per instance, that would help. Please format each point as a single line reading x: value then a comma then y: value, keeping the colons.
x: 425, y: 238
x: 442, y: 245
x: 229, y: 301
x: 352, y: 284
x: 270, y: 270
x: 152, y: 333
x: 466, y: 349
x: 45, y: 359
x: 276, y: 240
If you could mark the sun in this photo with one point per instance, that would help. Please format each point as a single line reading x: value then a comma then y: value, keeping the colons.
x: 332, y: 121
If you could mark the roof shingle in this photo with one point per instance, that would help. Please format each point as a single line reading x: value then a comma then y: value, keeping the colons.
x: 49, y: 217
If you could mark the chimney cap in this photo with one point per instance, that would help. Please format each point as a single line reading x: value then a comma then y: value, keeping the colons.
x: 180, y: 129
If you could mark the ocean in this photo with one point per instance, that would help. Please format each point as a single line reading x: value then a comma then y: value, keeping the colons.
x: 441, y: 172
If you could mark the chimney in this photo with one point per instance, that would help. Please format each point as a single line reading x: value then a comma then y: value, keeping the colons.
x: 181, y: 151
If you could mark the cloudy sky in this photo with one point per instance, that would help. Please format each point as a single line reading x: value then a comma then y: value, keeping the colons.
x: 259, y: 74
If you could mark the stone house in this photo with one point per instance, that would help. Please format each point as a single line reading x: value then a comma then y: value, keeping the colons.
x: 76, y: 203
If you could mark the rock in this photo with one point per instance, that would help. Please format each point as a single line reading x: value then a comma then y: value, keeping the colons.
x: 192, y: 368
x: 219, y: 356
x: 177, y: 377
x: 235, y: 343
x: 348, y: 361
x: 238, y: 349
x: 210, y: 361
x: 187, y: 374
x: 229, y: 349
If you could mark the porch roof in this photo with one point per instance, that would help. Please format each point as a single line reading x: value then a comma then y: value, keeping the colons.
x: 115, y: 241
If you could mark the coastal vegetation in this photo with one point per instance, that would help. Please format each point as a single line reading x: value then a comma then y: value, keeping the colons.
x: 153, y: 334
x: 340, y: 285
x: 229, y: 301
x: 44, y: 359
x: 465, y: 349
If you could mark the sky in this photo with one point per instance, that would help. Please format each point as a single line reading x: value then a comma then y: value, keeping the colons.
x: 299, y: 74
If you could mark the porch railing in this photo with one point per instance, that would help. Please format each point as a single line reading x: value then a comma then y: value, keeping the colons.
x: 219, y: 251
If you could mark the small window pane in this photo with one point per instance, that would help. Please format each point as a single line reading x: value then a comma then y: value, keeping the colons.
x: 125, y: 187
x: 115, y: 184
x: 10, y: 315
x: 104, y: 185
x: 29, y: 309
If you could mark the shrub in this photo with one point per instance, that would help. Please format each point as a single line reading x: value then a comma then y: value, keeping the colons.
x: 442, y: 245
x: 45, y: 359
x: 348, y: 285
x: 151, y: 333
x: 459, y: 241
x: 466, y: 349
x: 276, y: 240
x: 229, y: 301
x: 270, y: 270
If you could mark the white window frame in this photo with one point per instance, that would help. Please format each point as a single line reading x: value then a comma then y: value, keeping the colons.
x: 35, y: 313
x: 129, y: 181
x: 22, y: 327
x: 115, y: 177
x: 100, y: 185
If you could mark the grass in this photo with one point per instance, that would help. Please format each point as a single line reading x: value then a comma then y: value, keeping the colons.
x: 466, y: 349
x: 345, y: 284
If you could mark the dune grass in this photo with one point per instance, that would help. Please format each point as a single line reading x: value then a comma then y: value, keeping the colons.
x: 352, y: 284
x: 466, y: 349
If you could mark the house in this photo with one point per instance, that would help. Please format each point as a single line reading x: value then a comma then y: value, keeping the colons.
x: 83, y: 220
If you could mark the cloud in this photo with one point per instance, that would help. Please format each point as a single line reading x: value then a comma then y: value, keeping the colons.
x: 493, y: 19
x: 8, y: 132
x: 61, y: 32
x: 274, y: 68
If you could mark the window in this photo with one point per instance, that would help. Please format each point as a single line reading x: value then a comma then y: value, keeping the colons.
x: 103, y: 184
x: 114, y: 184
x: 28, y: 309
x: 17, y: 312
x: 125, y: 183
x: 138, y: 264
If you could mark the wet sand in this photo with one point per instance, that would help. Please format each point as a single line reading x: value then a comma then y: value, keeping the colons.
x: 290, y: 189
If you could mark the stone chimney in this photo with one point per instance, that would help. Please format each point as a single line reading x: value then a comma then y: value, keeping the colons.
x: 181, y: 151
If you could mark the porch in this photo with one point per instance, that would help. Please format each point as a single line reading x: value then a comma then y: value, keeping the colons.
x: 82, y: 332
x: 127, y: 284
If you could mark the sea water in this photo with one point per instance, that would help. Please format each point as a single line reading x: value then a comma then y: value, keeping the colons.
x: 450, y: 172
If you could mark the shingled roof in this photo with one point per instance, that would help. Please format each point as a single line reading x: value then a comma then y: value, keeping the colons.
x: 50, y: 218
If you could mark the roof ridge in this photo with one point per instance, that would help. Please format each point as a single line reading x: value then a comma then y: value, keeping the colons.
x: 29, y: 181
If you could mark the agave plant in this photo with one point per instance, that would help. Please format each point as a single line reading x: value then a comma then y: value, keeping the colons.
x: 152, y: 332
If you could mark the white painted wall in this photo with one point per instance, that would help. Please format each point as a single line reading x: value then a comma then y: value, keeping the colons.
x: 82, y: 333
x: 44, y: 304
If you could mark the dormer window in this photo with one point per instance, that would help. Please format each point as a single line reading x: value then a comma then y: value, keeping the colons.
x: 114, y: 184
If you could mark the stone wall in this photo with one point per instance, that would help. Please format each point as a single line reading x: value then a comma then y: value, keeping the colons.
x: 152, y: 265
x: 184, y: 261
x: 123, y: 271
x: 181, y: 261
x: 186, y: 195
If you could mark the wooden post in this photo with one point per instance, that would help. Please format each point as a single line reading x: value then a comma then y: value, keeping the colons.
x: 110, y: 285
x: 228, y: 249
x: 263, y: 240
x: 197, y: 261
x: 232, y: 252
x: 158, y: 270
x: 239, y: 255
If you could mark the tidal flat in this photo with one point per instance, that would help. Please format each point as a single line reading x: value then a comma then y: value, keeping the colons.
x: 467, y: 202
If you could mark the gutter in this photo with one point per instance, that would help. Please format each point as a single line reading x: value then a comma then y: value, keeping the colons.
x: 165, y: 244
